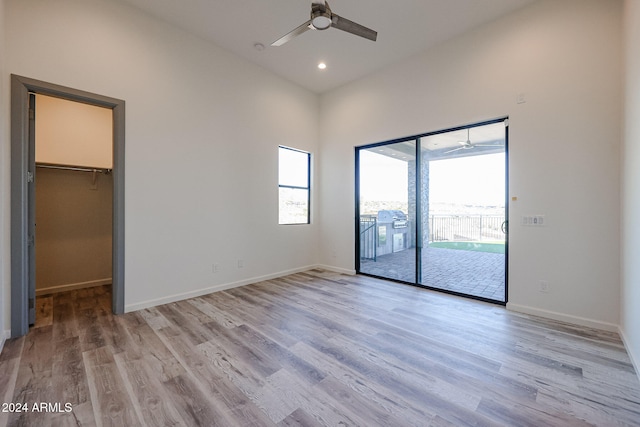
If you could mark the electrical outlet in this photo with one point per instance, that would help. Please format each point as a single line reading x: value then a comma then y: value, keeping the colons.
x: 215, y: 268
x: 533, y: 220
x: 240, y: 263
x: 544, y: 286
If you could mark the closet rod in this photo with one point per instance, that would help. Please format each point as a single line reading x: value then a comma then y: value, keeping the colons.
x: 72, y: 168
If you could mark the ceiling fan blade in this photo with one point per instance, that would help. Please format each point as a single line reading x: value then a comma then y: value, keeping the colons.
x: 351, y: 27
x: 489, y: 145
x: 290, y: 35
x: 455, y: 149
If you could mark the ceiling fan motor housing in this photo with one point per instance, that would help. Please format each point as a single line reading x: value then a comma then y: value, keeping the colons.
x: 320, y: 16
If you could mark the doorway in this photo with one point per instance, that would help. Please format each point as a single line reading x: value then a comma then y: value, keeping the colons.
x: 23, y: 170
x: 432, y: 210
x: 74, y: 195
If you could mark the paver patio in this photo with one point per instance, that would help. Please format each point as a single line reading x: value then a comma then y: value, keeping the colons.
x: 479, y: 274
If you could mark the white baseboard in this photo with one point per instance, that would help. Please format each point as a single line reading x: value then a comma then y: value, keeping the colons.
x: 216, y: 288
x: 72, y: 286
x: 336, y: 269
x: 4, y: 335
x: 576, y: 320
x: 634, y: 357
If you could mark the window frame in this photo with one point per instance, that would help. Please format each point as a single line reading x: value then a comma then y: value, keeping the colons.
x: 307, y: 188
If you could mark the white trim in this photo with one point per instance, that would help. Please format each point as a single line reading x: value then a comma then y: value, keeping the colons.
x: 212, y: 289
x: 576, y: 320
x: 634, y: 360
x: 72, y: 286
x: 336, y: 269
x: 582, y: 321
x: 3, y: 337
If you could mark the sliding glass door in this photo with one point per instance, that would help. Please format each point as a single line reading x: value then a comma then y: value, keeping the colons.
x: 432, y: 210
x: 465, y: 217
x: 387, y: 211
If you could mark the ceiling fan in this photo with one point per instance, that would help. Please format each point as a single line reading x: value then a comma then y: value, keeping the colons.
x: 322, y: 18
x: 467, y: 145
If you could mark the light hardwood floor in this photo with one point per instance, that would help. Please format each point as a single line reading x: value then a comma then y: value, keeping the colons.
x: 314, y: 349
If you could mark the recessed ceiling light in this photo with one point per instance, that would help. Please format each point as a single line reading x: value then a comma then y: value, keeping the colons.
x: 322, y: 65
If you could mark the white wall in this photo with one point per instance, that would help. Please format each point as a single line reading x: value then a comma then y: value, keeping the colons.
x: 630, y: 298
x: 202, y: 131
x: 565, y: 57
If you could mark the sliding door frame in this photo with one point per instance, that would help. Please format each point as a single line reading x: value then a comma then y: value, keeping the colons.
x: 357, y: 149
x: 418, y: 191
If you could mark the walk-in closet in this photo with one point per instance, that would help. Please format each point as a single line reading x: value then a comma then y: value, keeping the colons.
x: 73, y: 196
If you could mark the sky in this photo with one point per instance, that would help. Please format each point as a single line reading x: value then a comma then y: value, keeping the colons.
x: 382, y: 177
x: 477, y: 180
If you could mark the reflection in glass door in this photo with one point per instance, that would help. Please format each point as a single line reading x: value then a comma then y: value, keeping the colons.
x: 438, y: 219
x: 387, y: 211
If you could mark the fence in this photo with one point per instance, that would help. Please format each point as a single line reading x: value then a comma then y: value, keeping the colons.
x: 368, y: 237
x: 465, y: 227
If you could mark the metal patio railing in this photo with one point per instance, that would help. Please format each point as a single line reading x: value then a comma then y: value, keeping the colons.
x: 466, y: 227
x: 368, y: 237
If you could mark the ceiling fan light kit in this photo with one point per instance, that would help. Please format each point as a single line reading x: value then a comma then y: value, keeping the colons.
x: 322, y: 18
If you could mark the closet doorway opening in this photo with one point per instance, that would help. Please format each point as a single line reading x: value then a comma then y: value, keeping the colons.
x: 67, y: 195
x: 74, y: 198
x: 431, y: 210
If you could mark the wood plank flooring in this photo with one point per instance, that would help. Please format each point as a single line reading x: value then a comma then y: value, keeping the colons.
x: 313, y: 349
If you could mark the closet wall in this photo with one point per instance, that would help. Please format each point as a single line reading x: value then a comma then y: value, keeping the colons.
x: 73, y: 133
x: 73, y: 207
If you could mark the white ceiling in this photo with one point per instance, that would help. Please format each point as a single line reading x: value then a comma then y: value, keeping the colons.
x: 484, y: 139
x: 405, y: 28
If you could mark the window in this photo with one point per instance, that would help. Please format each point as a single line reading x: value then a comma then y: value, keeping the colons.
x: 294, y: 186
